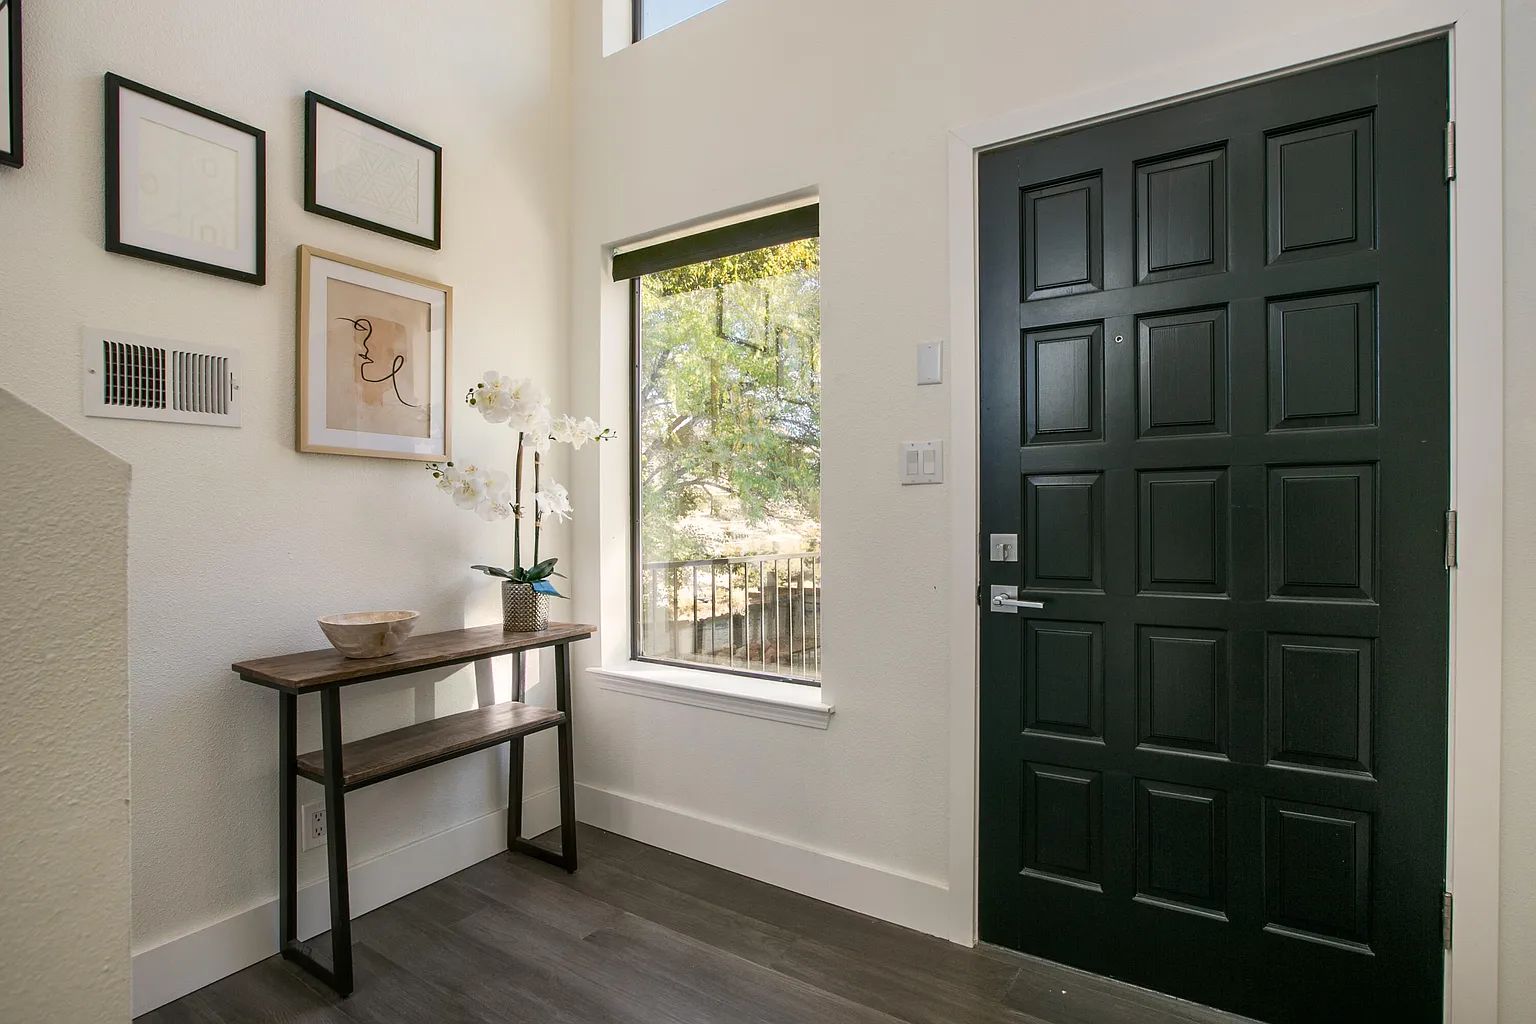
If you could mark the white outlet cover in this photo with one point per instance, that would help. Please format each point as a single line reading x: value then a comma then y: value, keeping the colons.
x: 310, y: 816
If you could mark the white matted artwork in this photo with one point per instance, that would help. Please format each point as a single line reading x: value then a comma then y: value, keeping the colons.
x: 185, y: 186
x: 10, y: 83
x: 374, y: 345
x: 359, y: 170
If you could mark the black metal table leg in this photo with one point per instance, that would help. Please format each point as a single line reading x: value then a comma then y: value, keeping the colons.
x: 339, y: 974
x: 515, y: 761
x: 566, y: 858
x: 288, y: 818
x: 336, y: 842
x: 567, y: 757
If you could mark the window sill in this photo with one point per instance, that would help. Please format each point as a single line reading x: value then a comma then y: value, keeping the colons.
x: 791, y: 703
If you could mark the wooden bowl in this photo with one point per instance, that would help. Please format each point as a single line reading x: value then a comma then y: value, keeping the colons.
x: 368, y: 634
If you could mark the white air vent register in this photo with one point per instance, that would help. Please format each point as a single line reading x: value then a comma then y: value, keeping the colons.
x: 131, y: 377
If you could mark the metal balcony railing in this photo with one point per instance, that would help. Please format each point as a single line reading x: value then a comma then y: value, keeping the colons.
x: 756, y: 615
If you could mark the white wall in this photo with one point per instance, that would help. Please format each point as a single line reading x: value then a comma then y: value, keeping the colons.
x: 237, y: 542
x: 64, y: 733
x: 854, y: 98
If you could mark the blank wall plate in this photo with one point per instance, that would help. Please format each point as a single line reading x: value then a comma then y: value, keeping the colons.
x: 930, y: 362
x: 922, y: 462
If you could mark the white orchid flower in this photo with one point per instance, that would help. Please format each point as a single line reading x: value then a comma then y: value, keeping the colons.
x: 553, y: 500
x: 538, y: 442
x: 491, y: 511
x: 496, y: 482
x: 468, y: 491
x: 564, y: 429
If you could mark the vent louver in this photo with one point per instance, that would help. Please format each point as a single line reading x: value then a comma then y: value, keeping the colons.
x: 132, y: 377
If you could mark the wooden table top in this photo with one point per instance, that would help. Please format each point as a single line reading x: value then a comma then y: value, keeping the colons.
x: 315, y: 670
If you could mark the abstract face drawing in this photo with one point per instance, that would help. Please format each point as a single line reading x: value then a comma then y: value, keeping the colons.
x: 378, y: 361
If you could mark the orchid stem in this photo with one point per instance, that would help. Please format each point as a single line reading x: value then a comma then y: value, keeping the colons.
x: 517, y: 512
x: 538, y: 513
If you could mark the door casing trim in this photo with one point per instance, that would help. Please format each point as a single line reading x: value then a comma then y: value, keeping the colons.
x: 1474, y: 28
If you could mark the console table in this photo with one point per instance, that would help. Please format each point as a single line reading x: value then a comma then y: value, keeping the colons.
x: 341, y: 768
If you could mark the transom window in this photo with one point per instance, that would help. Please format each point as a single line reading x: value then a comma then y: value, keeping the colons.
x: 651, y: 16
x: 727, y: 448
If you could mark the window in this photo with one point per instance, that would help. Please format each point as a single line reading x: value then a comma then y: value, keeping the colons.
x: 727, y: 448
x: 652, y: 16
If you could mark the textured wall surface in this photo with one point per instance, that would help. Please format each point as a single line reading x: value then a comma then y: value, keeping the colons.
x: 236, y: 541
x: 1517, y: 867
x: 64, y: 730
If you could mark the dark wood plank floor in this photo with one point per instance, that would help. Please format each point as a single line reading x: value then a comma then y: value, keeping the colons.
x: 642, y: 936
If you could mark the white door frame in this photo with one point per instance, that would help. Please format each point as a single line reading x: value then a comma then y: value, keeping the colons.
x: 1477, y: 434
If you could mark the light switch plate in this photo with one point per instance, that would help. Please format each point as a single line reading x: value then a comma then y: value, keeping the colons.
x: 922, y: 462
x: 930, y: 362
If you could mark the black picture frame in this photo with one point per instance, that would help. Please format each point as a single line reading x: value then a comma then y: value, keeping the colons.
x: 312, y: 102
x: 11, y: 149
x: 115, y: 85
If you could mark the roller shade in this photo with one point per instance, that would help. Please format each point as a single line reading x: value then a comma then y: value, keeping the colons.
x: 774, y: 229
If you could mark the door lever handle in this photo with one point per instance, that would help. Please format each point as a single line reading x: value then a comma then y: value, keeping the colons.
x: 1006, y: 599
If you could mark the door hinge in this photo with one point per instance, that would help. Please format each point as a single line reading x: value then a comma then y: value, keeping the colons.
x: 1450, y: 151
x: 1447, y: 906
x: 1450, y: 538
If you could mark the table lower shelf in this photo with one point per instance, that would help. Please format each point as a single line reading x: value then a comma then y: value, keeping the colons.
x: 388, y: 754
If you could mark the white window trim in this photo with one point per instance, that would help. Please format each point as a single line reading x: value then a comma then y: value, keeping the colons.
x: 768, y: 699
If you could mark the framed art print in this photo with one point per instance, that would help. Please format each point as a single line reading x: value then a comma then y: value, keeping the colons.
x: 372, y: 175
x: 185, y: 186
x: 374, y: 349
x: 10, y: 83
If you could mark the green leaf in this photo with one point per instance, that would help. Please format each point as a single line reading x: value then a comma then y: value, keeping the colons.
x: 491, y: 570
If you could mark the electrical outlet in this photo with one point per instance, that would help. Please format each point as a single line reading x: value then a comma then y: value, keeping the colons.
x: 312, y: 825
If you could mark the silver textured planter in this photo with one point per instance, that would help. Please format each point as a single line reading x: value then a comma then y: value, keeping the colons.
x: 523, y: 610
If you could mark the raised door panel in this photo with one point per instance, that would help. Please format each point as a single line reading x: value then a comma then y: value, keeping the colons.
x: 1062, y: 824
x: 1064, y: 678
x: 1183, y: 531
x: 1317, y: 869
x: 1322, y: 532
x: 1063, y: 384
x: 1322, y: 360
x: 1063, y: 238
x: 1320, y: 701
x: 1181, y: 847
x: 1321, y: 183
x: 1182, y: 686
x: 1182, y: 373
x: 1181, y: 216
x: 1064, y: 516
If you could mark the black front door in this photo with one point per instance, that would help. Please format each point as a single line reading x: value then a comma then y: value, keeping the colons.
x: 1215, y: 414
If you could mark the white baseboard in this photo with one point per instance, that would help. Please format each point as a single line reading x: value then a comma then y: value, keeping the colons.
x: 174, y: 968
x: 182, y: 965
x: 867, y: 888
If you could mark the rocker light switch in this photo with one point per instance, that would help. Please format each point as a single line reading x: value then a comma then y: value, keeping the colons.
x: 922, y: 462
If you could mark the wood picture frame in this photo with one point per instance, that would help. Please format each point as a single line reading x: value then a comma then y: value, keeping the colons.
x: 185, y: 186
x: 10, y: 82
x: 375, y: 349
x: 364, y: 172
